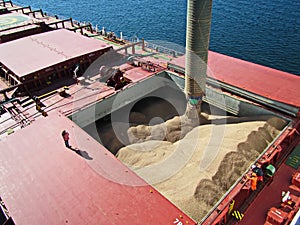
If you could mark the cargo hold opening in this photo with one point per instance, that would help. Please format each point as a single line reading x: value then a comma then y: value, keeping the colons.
x: 201, y: 161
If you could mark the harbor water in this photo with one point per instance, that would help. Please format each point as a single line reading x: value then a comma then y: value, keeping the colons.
x: 259, y: 31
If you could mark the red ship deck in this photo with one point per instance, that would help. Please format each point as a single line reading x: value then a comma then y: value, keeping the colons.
x: 95, y: 186
x: 264, y: 81
x: 43, y: 182
x: 46, y: 183
x: 270, y: 196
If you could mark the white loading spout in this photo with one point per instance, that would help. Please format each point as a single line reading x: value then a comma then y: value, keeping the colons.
x: 197, y: 43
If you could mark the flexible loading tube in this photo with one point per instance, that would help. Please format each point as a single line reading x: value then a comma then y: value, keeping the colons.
x: 197, y: 43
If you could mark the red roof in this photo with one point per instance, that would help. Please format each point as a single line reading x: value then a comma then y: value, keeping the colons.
x: 23, y: 56
x: 43, y: 182
x: 270, y: 83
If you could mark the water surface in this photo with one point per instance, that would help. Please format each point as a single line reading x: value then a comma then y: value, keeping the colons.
x: 260, y: 31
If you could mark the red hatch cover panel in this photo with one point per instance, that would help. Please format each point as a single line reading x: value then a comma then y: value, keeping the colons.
x: 23, y: 56
x: 264, y: 81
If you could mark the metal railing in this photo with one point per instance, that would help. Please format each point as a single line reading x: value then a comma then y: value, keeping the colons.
x: 242, y: 177
x: 162, y: 49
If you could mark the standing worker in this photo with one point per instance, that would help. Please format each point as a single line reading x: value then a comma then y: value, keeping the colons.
x: 66, y: 138
x: 253, y: 179
x: 258, y: 171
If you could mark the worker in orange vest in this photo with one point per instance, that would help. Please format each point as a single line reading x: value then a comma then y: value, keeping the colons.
x: 258, y: 171
x: 253, y: 179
